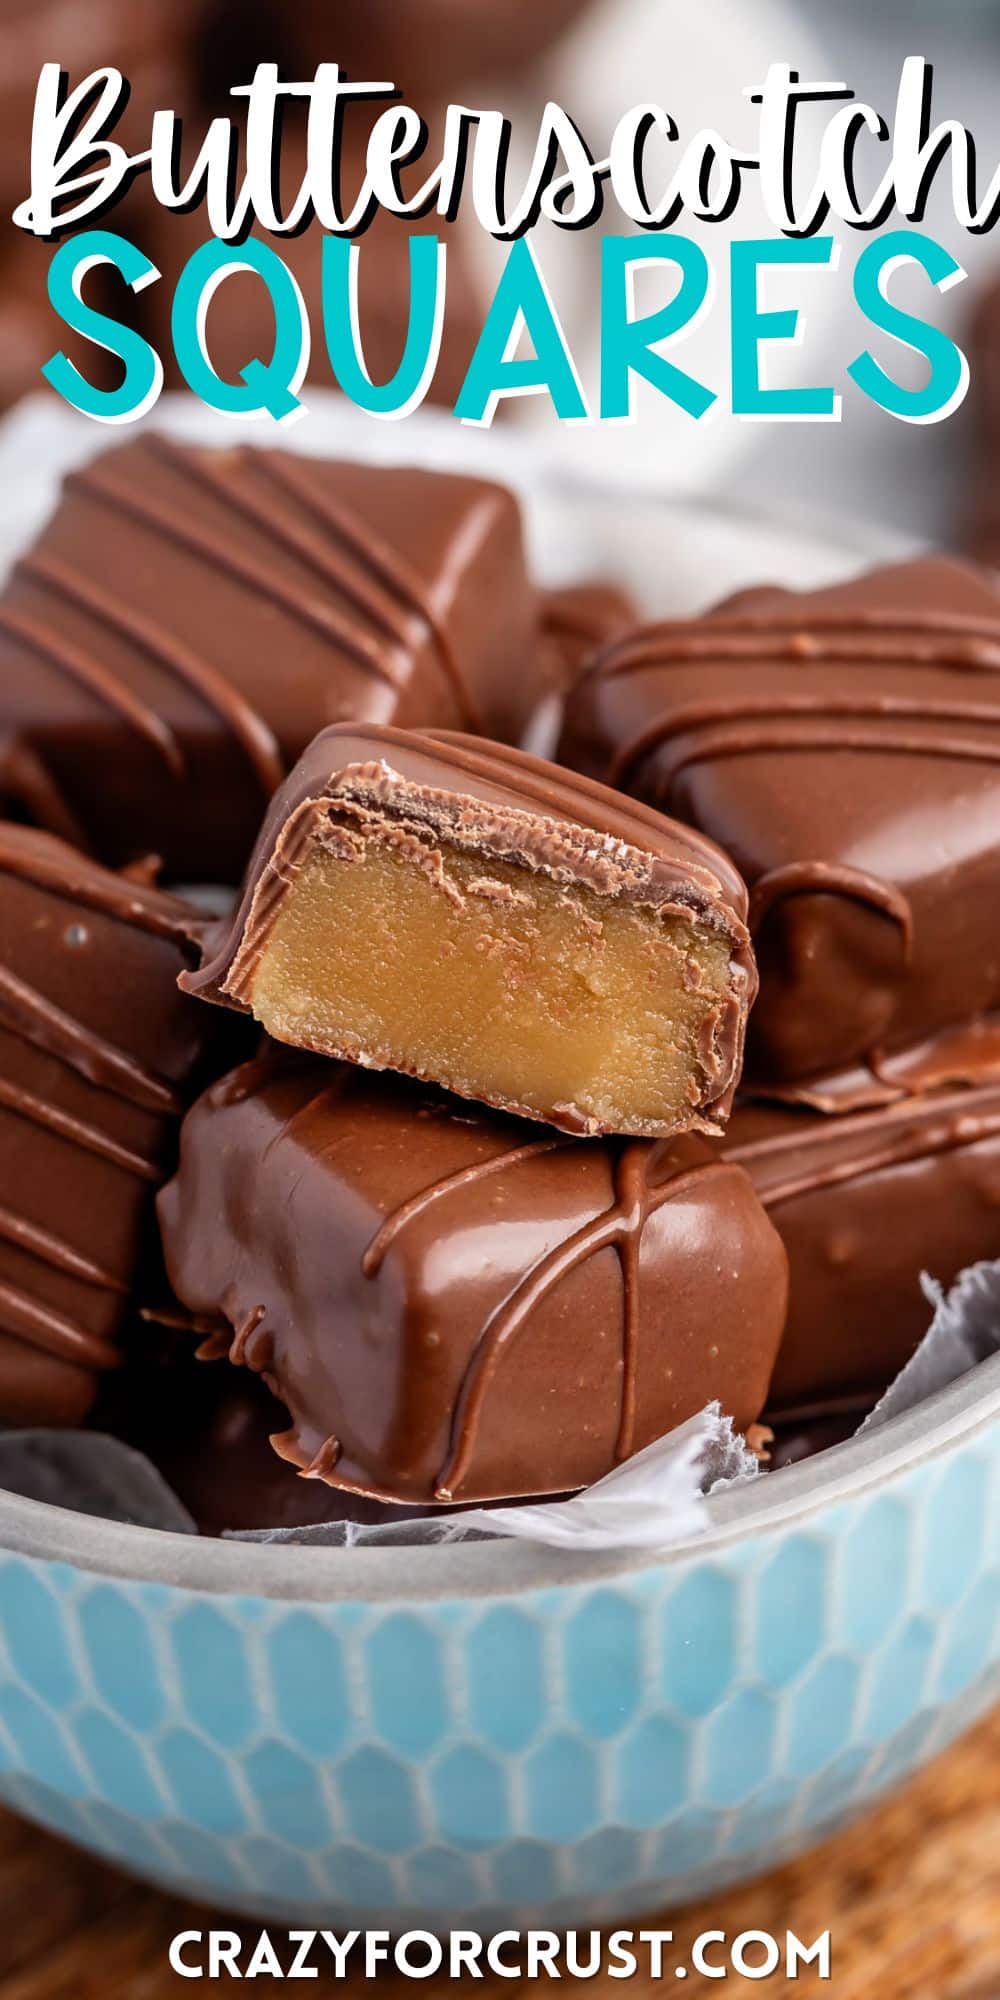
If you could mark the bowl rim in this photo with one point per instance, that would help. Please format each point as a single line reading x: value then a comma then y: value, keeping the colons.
x: 784, y: 1500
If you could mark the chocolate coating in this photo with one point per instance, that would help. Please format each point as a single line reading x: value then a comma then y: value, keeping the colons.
x: 97, y: 1052
x: 843, y: 745
x: 453, y: 1305
x: 500, y: 802
x: 864, y: 1203
x: 189, y: 620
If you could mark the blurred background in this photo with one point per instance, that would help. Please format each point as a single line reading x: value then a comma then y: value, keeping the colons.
x: 597, y: 57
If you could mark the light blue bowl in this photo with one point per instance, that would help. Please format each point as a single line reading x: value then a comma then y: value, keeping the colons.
x: 496, y: 1733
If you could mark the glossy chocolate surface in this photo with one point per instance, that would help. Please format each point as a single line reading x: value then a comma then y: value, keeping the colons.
x: 864, y: 1203
x: 429, y: 48
x: 455, y: 1305
x: 29, y: 330
x: 843, y: 745
x: 502, y: 802
x: 97, y: 1054
x: 189, y: 619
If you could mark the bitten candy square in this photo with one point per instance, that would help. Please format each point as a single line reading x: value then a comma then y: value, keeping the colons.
x: 476, y: 917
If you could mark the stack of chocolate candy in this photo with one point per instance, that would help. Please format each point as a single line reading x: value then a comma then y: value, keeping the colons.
x: 468, y: 1222
x: 844, y: 747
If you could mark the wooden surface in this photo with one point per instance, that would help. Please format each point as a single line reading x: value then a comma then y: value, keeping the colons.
x: 912, y: 1897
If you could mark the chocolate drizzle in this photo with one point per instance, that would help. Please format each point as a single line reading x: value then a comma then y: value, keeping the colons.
x: 53, y: 1250
x: 807, y: 878
x: 56, y: 868
x: 26, y: 1012
x: 87, y: 1137
x: 29, y: 794
x: 363, y: 554
x: 945, y: 638
x: 42, y: 1327
x: 232, y: 710
x: 323, y: 617
x: 619, y: 1227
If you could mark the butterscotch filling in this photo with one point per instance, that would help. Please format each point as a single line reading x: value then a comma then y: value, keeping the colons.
x: 496, y: 981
